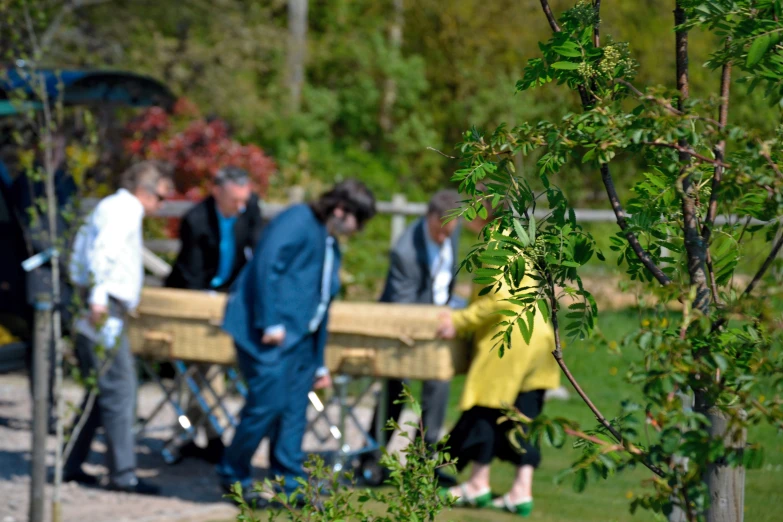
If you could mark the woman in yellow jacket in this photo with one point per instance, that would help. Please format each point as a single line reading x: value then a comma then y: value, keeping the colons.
x: 492, y: 384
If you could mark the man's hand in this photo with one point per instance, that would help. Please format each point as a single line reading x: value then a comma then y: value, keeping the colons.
x: 98, y: 314
x: 325, y: 381
x: 446, y: 328
x: 275, y: 338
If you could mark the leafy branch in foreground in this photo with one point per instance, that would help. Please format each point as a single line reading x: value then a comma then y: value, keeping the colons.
x: 326, y: 495
x: 710, y: 351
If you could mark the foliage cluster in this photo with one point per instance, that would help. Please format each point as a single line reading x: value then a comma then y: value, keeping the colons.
x: 457, y: 61
x: 412, y: 493
x: 195, y: 146
x: 708, y: 378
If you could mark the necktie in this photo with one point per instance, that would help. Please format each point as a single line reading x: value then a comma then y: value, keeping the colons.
x: 441, y: 274
x: 326, y: 277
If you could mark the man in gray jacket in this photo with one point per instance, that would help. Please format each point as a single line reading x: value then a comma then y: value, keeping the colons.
x: 423, y: 263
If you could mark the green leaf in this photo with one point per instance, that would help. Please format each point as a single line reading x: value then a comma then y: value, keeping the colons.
x: 523, y: 237
x: 753, y: 458
x: 543, y: 306
x: 485, y: 290
x: 527, y: 333
x: 757, y: 49
x: 523, y: 329
x: 580, y: 480
x: 518, y: 270
x: 567, y: 66
x: 570, y: 52
x: 532, y: 229
x: 531, y: 319
x: 720, y: 361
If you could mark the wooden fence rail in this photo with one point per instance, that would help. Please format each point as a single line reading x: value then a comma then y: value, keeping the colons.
x: 399, y: 208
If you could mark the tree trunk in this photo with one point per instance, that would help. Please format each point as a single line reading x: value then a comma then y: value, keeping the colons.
x: 297, y: 42
x: 390, y: 85
x: 41, y: 340
x: 726, y: 484
x: 52, y: 212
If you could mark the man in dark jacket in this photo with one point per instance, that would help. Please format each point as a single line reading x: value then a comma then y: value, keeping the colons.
x: 218, y: 236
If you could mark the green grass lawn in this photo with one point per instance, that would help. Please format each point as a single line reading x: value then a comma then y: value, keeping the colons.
x: 601, y: 375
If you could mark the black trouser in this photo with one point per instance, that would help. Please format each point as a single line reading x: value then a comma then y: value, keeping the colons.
x: 477, y: 436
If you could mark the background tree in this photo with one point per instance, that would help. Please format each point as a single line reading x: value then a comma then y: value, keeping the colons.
x: 708, y: 376
x: 457, y: 62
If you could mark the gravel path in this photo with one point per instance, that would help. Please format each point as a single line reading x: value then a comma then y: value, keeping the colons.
x: 189, y: 489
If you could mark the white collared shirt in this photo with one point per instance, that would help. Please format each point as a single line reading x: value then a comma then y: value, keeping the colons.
x: 107, y: 251
x: 441, y: 264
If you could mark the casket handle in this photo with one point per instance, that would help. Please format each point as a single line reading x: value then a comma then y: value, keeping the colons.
x: 407, y: 340
x: 358, y: 357
x: 158, y: 337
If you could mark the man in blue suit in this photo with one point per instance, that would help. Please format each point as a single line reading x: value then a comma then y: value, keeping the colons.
x: 277, y: 313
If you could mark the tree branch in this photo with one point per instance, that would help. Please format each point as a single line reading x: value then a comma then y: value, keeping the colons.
x: 619, y: 213
x: 695, y: 246
x: 607, y: 446
x: 720, y: 151
x: 717, y: 325
x: 687, y: 151
x: 711, y: 273
x: 666, y: 105
x: 765, y: 266
x: 717, y: 177
x: 67, y: 8
x: 597, y: 25
x: 606, y: 176
x: 558, y: 355
x: 549, y: 16
x: 771, y: 164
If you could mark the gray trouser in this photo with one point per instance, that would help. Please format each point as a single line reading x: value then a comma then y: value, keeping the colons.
x: 434, y: 402
x: 114, y: 409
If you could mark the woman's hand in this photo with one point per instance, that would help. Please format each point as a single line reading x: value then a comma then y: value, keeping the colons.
x: 446, y: 328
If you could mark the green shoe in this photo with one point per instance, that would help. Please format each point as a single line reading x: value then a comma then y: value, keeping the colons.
x: 481, y: 500
x: 523, y: 509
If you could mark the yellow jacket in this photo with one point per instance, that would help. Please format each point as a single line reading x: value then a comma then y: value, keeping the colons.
x: 495, y: 382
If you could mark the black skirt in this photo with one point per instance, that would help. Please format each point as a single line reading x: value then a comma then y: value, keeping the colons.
x: 477, y: 436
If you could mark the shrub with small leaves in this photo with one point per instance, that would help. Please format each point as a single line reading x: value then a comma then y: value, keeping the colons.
x: 411, y: 494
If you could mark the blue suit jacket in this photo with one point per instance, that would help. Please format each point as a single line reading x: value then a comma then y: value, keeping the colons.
x: 282, y: 285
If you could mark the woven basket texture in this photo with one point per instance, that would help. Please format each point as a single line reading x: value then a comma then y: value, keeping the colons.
x: 365, y: 338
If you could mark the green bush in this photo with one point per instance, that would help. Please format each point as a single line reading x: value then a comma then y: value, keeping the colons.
x: 327, y: 495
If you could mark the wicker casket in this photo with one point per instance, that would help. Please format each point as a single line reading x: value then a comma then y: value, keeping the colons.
x: 365, y: 338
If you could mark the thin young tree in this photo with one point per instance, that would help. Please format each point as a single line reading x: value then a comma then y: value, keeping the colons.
x: 43, y: 114
x: 711, y: 371
x: 297, y: 51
